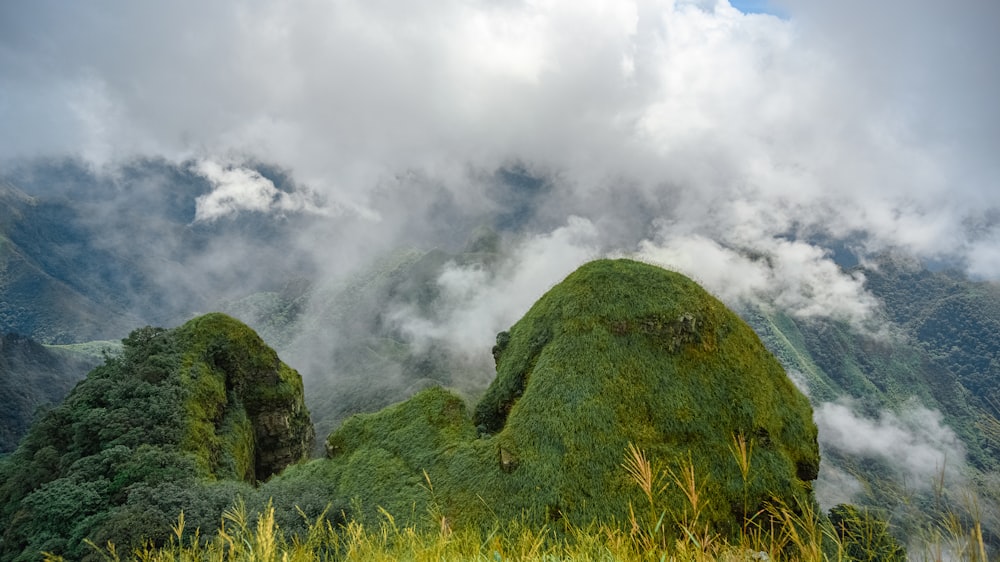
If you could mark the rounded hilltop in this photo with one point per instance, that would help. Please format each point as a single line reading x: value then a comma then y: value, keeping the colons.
x: 619, y: 354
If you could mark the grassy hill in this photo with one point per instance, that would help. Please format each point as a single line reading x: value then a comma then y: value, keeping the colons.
x: 619, y: 354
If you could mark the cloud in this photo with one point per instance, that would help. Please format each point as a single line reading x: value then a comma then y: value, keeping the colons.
x: 794, y: 276
x: 476, y: 303
x: 915, y: 442
x: 237, y: 189
x: 730, y: 134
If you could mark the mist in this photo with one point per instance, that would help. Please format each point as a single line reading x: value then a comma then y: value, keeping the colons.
x: 734, y: 128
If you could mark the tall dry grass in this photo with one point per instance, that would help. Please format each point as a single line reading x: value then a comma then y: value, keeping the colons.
x: 776, y: 534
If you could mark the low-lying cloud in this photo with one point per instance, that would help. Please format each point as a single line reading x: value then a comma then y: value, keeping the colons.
x: 476, y: 303
x: 794, y: 276
x: 839, y: 119
x: 236, y: 189
x: 915, y: 442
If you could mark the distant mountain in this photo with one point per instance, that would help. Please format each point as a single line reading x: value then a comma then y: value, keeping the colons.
x: 55, y: 285
x: 943, y: 349
x: 89, y: 255
x: 938, y: 350
x: 33, y: 376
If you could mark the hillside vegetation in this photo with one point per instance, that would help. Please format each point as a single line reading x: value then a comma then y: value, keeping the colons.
x: 182, y: 419
x: 620, y: 361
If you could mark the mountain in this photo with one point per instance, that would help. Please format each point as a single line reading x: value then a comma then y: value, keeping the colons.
x: 87, y: 254
x: 90, y: 255
x: 936, y: 356
x: 182, y: 419
x: 55, y: 288
x: 620, y: 354
x: 33, y: 376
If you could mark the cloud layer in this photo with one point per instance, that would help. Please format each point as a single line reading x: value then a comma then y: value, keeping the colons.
x: 684, y: 131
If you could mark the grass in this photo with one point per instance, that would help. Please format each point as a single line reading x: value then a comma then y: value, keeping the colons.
x: 777, y: 533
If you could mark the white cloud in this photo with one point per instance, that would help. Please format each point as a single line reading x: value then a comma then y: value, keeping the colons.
x: 736, y: 132
x: 476, y: 304
x: 237, y: 189
x: 915, y: 442
x: 795, y: 276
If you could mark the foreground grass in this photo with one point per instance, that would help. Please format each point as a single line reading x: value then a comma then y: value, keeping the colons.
x: 258, y: 539
x: 775, y: 534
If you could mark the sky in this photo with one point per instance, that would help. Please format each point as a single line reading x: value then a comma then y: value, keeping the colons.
x: 688, y: 133
x: 876, y: 122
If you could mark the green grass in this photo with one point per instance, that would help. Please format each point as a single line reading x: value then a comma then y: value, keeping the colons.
x: 777, y: 533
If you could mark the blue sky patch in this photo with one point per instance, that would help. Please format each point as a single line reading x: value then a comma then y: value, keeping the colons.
x: 758, y: 7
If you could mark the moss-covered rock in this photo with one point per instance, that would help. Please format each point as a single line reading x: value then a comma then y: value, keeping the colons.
x: 619, y: 353
x: 182, y: 419
x: 246, y: 412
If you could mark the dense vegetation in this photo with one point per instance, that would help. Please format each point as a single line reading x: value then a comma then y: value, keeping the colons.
x: 181, y: 419
x: 849, y: 535
x: 620, y: 358
x: 63, y: 279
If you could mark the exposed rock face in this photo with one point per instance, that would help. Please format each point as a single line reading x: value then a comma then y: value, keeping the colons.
x: 282, y: 438
x: 620, y: 353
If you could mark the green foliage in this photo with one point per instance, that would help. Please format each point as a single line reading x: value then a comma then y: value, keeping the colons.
x: 255, y: 535
x: 864, y: 536
x: 156, y: 429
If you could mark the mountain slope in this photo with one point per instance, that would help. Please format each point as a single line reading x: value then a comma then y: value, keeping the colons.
x: 47, y: 280
x: 90, y: 255
x: 33, y: 376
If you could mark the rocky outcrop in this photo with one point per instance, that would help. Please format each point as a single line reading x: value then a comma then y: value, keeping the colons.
x: 283, y: 437
x: 260, y: 391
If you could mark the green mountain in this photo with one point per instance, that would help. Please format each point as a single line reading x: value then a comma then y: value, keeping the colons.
x: 620, y: 353
x: 182, y: 419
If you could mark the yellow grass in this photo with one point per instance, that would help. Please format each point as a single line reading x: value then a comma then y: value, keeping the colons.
x: 781, y: 533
